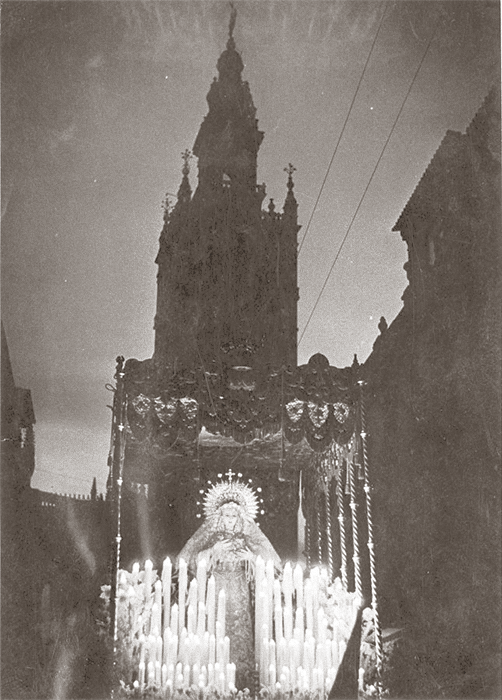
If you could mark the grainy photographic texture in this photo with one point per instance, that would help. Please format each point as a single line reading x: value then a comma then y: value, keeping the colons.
x: 135, y: 140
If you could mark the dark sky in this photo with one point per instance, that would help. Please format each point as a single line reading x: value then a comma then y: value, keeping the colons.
x: 99, y: 99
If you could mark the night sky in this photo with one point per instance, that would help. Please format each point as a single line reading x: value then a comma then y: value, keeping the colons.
x: 99, y: 99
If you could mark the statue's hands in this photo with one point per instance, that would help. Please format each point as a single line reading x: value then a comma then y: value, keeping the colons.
x: 222, y: 549
x: 246, y: 554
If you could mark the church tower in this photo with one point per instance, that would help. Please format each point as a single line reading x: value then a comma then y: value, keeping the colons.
x: 222, y: 393
x: 227, y: 270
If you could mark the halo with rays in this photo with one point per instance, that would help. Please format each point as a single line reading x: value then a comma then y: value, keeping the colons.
x: 228, y: 492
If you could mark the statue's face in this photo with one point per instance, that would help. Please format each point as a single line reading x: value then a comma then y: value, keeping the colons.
x: 229, y: 517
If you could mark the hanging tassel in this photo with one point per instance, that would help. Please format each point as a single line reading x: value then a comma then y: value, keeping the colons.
x: 355, y: 533
x: 371, y: 542
x: 319, y: 534
x: 329, y: 534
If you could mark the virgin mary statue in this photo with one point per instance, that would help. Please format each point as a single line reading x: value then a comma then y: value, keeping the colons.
x: 230, y: 540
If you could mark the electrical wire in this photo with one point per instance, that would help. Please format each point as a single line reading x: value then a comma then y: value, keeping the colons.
x: 368, y: 185
x: 342, y: 131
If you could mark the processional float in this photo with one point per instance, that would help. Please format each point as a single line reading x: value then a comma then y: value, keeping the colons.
x: 169, y: 628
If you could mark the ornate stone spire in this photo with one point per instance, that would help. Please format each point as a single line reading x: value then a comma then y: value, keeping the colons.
x: 185, y: 191
x: 227, y: 280
x: 184, y: 196
x: 290, y: 204
x: 228, y: 140
x: 230, y: 63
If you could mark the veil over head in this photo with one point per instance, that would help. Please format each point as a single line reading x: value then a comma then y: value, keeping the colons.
x: 212, y: 529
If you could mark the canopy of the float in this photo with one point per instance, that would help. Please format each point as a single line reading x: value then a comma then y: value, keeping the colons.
x: 314, y: 401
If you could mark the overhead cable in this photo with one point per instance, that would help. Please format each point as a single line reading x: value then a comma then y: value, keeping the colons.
x: 368, y: 185
x: 341, y: 133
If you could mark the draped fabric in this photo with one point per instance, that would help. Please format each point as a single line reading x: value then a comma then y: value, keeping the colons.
x: 314, y: 401
x: 230, y: 554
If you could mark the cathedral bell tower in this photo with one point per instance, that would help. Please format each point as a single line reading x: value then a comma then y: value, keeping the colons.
x: 227, y: 271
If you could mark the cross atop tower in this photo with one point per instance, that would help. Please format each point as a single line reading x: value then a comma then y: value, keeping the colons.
x: 290, y: 170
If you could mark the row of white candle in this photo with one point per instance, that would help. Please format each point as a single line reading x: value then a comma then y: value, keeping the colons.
x: 192, y: 647
x: 294, y: 646
x: 197, y: 608
x: 217, y: 676
x: 193, y: 601
x: 299, y: 680
x: 294, y: 665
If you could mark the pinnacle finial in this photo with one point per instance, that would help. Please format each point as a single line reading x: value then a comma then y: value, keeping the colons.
x: 290, y: 170
x: 230, y: 63
x: 187, y: 156
x: 231, y: 24
x: 383, y: 325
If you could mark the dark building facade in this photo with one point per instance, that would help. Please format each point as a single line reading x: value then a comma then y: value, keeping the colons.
x: 18, y: 445
x: 433, y: 404
x: 55, y: 557
x: 21, y: 593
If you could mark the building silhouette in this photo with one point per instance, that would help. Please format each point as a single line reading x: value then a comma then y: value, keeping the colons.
x: 227, y: 271
x: 433, y: 412
x: 55, y: 557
